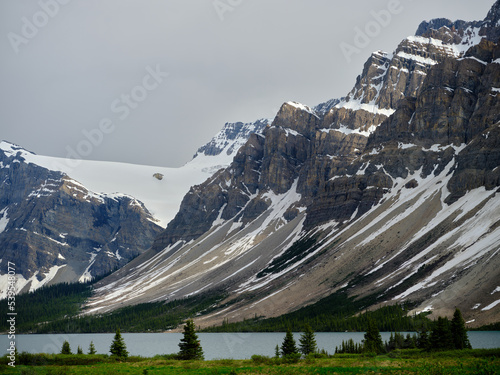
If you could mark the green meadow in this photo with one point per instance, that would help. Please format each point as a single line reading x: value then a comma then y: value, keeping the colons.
x: 474, y: 361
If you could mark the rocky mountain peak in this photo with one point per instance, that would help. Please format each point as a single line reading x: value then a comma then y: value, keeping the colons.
x: 231, y: 137
x: 56, y: 230
x: 448, y: 29
x: 493, y: 16
x: 464, y: 33
x: 323, y: 108
x: 297, y: 117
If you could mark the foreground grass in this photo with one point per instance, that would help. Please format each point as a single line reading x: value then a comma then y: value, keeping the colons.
x: 399, y: 362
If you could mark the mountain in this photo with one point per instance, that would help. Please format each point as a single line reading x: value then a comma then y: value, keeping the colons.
x: 390, y: 193
x: 64, y: 220
x: 54, y: 228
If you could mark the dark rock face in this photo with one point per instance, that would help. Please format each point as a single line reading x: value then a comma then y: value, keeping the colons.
x: 53, y: 220
x: 444, y: 28
x: 456, y: 102
x: 477, y: 165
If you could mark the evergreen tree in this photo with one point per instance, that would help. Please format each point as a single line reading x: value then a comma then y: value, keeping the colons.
x: 410, y: 342
x: 373, y: 341
x: 92, y: 348
x: 66, y: 348
x: 349, y: 346
x: 288, y: 346
x: 308, y: 341
x: 118, y: 347
x: 277, y: 351
x: 423, y: 339
x: 440, y: 337
x: 79, y: 350
x: 459, y: 332
x: 190, y: 347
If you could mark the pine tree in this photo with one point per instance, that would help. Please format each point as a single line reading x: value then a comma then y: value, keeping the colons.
x: 66, y: 348
x: 423, y: 339
x: 288, y: 347
x: 118, y: 347
x: 79, y: 350
x: 308, y: 341
x: 440, y: 337
x: 92, y: 348
x: 373, y: 341
x: 190, y: 347
x: 459, y: 332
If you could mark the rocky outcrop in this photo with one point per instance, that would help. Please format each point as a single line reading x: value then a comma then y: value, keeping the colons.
x: 477, y: 165
x: 232, y: 137
x: 455, y: 32
x: 54, y: 225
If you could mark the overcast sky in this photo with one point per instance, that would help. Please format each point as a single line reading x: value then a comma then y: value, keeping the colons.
x: 149, y: 81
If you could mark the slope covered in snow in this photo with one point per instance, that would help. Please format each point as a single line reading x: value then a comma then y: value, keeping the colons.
x: 162, y: 197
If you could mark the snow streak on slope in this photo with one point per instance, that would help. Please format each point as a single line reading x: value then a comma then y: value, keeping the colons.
x: 467, y: 241
x: 33, y: 281
x: 229, y: 251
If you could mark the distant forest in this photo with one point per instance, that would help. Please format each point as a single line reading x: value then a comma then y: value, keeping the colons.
x: 56, y: 308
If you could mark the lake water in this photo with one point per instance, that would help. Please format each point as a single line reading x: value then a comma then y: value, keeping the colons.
x: 215, y: 345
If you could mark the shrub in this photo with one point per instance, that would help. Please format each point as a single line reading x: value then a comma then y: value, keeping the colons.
x: 261, y: 359
x: 65, y: 348
x: 291, y: 358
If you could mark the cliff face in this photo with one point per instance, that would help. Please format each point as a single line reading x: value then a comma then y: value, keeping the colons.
x: 390, y: 192
x: 54, y: 229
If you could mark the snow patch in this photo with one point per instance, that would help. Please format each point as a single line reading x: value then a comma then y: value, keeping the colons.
x: 491, y: 305
x: 4, y: 220
x: 21, y: 282
x: 303, y: 108
x: 419, y: 59
x: 371, y: 107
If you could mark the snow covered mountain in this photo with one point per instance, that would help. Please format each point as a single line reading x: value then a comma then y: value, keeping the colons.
x: 391, y: 193
x: 67, y: 220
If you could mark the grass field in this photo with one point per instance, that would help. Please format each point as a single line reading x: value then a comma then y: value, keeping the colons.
x: 399, y: 362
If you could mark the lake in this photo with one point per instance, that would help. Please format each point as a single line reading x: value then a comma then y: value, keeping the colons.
x: 215, y: 345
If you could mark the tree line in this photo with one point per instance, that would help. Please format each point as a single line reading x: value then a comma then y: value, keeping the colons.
x: 57, y: 308
x: 338, y: 314
x: 444, y: 335
x: 46, y: 304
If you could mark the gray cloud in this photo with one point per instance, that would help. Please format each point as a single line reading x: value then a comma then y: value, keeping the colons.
x: 227, y: 60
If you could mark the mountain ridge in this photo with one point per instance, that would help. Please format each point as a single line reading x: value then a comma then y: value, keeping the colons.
x: 374, y: 196
x: 42, y: 199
